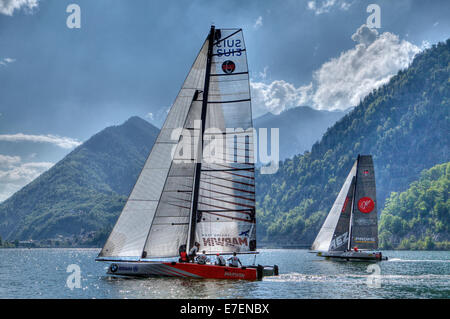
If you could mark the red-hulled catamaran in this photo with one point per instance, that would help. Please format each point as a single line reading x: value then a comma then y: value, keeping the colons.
x: 184, y: 196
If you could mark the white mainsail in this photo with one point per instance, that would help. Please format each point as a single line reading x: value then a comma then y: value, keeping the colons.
x: 213, y: 202
x: 226, y: 210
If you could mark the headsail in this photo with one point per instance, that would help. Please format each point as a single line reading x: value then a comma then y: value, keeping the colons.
x: 159, y: 204
x: 332, y: 237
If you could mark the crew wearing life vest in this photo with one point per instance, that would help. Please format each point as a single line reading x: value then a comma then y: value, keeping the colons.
x: 220, y: 261
x: 202, y: 259
x: 193, y: 251
x: 234, y: 261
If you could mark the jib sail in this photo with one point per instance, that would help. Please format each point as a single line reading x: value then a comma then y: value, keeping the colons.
x: 334, y: 233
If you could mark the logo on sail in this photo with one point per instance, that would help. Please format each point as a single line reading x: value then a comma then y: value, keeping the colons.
x: 225, y: 242
x: 228, y: 67
x: 366, y: 205
x: 339, y: 241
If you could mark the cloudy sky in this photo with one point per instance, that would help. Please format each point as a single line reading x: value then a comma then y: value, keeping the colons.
x: 59, y: 86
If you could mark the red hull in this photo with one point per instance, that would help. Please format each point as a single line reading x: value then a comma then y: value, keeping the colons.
x: 216, y: 272
x: 184, y: 270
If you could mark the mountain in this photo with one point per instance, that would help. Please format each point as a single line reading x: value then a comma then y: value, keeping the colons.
x: 419, y: 218
x: 299, y: 127
x: 403, y: 124
x: 83, y: 192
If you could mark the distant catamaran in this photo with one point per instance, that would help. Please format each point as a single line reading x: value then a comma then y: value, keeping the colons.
x: 178, y: 200
x: 350, y: 231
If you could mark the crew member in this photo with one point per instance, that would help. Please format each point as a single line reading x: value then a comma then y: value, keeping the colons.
x: 183, y: 257
x: 202, y: 259
x: 193, y: 251
x: 234, y: 261
x: 220, y: 261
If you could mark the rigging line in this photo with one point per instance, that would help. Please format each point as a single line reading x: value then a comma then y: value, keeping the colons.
x: 248, y: 168
x: 228, y: 202
x: 221, y: 207
x: 225, y: 170
x: 228, y: 74
x: 229, y: 217
x: 230, y: 180
x: 228, y: 172
x: 232, y: 195
x: 231, y: 101
x: 237, y: 189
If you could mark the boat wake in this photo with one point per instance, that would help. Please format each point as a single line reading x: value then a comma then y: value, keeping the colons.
x: 418, y: 260
x: 298, y: 277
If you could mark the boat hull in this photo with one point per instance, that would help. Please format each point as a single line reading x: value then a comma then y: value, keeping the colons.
x: 188, y: 270
x: 353, y: 255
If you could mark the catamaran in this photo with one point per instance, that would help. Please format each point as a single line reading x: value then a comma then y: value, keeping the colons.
x: 184, y: 196
x: 350, y: 231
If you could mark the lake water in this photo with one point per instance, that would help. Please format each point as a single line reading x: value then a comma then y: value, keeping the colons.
x: 42, y: 273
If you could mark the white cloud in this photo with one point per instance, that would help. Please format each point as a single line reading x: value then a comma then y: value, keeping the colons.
x: 343, y: 81
x: 14, y: 174
x: 63, y: 142
x: 324, y: 6
x: 6, y: 61
x: 7, y: 7
x: 258, y: 23
x: 277, y: 96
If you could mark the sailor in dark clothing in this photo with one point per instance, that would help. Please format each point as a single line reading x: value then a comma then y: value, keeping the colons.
x: 193, y: 251
x: 220, y: 261
x: 202, y: 259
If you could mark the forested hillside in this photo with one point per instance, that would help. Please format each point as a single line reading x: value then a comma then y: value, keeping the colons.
x: 403, y: 124
x: 419, y: 218
x: 85, y: 191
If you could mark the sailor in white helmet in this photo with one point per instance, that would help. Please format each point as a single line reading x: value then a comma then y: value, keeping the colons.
x: 234, y: 261
x: 202, y: 259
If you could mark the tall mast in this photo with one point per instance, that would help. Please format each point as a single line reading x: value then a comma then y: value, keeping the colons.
x: 193, y: 220
x: 353, y: 206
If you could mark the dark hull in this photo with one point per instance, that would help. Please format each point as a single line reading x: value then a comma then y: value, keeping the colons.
x: 353, y: 256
